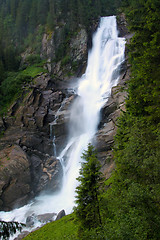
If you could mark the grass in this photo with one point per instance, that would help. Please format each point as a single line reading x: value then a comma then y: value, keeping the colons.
x: 33, y: 71
x: 65, y: 228
x: 11, y: 87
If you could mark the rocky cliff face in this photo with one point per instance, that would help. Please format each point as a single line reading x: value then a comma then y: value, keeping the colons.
x: 27, y: 134
x: 75, y: 57
x: 110, y: 112
x: 28, y: 163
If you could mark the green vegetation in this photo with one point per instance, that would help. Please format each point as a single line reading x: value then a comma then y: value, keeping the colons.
x: 65, y: 228
x: 85, y: 222
x: 88, y: 192
x: 22, y: 25
x: 133, y: 199
x: 11, y: 87
x: 9, y: 228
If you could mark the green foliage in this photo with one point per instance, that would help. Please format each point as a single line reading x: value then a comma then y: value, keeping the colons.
x: 33, y: 59
x: 32, y: 71
x: 9, y: 228
x: 1, y: 72
x: 19, y: 19
x: 11, y: 60
x: 23, y: 23
x: 65, y: 60
x: 145, y: 55
x: 133, y: 199
x: 11, y: 87
x: 87, y: 199
x: 85, y: 222
x: 65, y: 228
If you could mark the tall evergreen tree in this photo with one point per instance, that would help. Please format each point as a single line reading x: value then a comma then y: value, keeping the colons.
x: 42, y: 8
x: 33, y: 17
x: 87, y: 199
x: 22, y: 18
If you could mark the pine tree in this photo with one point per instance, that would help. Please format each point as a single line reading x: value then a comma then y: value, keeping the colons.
x: 87, y: 199
x: 7, y: 229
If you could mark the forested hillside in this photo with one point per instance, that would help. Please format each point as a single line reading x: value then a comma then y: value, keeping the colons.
x: 134, y: 196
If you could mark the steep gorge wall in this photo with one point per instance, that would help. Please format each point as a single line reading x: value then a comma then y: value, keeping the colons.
x: 28, y: 164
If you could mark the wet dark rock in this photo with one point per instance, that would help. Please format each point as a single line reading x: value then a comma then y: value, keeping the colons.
x: 22, y: 235
x: 104, y: 139
x: 30, y: 221
x: 15, y: 177
x: 27, y: 126
x: 47, y: 217
x: 50, y: 179
x: 122, y: 25
x: 60, y: 215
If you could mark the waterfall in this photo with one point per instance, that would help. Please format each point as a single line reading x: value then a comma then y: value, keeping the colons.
x: 52, y: 125
x: 94, y: 88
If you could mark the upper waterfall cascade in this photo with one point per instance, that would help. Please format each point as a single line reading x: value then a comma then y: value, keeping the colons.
x: 102, y: 73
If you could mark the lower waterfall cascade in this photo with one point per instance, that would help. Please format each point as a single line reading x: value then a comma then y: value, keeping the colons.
x: 102, y: 73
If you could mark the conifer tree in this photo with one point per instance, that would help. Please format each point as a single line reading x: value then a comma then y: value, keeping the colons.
x: 87, y: 199
x: 7, y: 229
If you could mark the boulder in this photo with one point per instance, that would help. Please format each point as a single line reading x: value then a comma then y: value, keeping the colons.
x: 60, y: 215
x: 15, y: 177
x: 47, y: 217
x: 22, y: 235
x: 30, y: 221
x: 50, y: 179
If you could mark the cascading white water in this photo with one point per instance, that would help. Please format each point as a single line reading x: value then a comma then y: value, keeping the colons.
x: 101, y: 75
